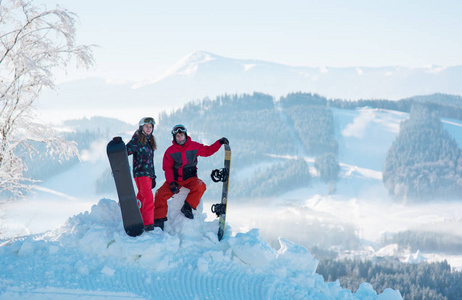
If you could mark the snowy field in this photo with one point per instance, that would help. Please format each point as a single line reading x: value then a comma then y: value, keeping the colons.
x: 67, y: 242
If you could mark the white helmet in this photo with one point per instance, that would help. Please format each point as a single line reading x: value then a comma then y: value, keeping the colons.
x: 147, y: 120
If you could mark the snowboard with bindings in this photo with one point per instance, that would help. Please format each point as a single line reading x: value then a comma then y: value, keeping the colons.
x: 118, y: 159
x: 222, y: 175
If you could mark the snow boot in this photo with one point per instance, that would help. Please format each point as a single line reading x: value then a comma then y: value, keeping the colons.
x: 160, y: 223
x: 149, y: 227
x: 187, y: 210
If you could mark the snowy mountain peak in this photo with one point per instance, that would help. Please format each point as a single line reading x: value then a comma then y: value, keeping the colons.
x: 189, y: 64
x: 186, y: 66
x: 199, y: 57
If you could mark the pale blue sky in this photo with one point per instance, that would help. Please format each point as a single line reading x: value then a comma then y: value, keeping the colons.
x: 140, y: 39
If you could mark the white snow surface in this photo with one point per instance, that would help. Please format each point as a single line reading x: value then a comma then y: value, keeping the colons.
x: 68, y: 243
x: 91, y: 257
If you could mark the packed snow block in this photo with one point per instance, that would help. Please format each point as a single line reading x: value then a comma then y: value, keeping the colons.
x: 27, y: 249
x: 95, y: 241
x: 366, y: 291
x: 295, y: 257
x: 202, y: 265
x: 156, y: 251
x: 390, y: 294
x: 106, y: 212
x: 252, y: 249
x: 107, y: 271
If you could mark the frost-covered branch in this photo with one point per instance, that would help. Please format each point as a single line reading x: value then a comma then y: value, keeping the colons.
x: 34, y: 42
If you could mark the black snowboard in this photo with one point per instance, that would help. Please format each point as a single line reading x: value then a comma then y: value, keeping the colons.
x: 222, y: 176
x: 118, y: 159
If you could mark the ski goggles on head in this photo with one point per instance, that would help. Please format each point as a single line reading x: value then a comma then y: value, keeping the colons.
x: 147, y: 120
x: 179, y: 129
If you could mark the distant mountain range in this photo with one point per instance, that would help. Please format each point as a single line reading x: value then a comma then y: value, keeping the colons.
x: 203, y: 74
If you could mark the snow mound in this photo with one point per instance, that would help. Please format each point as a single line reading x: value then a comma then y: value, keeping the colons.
x: 91, y: 256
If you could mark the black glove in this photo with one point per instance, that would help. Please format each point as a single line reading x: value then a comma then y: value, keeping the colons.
x: 117, y: 139
x: 174, y: 187
x: 153, y: 183
x: 224, y: 140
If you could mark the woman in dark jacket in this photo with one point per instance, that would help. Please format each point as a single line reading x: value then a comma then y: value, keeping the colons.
x: 142, y: 146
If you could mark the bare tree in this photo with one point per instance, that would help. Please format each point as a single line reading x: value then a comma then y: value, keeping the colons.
x: 34, y: 42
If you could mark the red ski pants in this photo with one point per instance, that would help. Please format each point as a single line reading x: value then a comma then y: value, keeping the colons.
x: 196, y: 186
x: 144, y: 185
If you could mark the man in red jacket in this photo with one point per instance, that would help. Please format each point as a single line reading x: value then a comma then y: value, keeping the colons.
x: 180, y: 167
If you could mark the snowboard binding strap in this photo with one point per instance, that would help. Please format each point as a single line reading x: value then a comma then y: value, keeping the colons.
x: 220, y: 175
x: 219, y: 209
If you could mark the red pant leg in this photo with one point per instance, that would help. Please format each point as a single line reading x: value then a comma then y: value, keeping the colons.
x: 160, y: 202
x: 197, y: 188
x: 146, y: 198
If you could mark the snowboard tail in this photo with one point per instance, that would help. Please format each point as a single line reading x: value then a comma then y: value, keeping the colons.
x: 118, y: 159
x: 222, y: 175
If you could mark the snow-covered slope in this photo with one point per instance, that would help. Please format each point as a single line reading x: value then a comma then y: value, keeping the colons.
x: 91, y: 257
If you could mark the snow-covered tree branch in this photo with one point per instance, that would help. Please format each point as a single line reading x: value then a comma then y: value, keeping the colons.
x: 34, y: 42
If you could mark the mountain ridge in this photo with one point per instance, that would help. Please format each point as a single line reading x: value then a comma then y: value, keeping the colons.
x: 202, y: 75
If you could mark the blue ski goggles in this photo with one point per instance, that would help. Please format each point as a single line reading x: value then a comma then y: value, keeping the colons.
x: 179, y: 129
